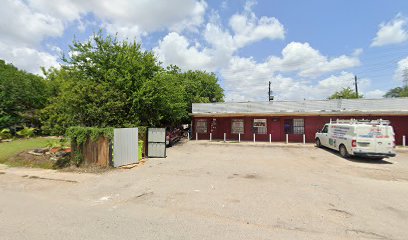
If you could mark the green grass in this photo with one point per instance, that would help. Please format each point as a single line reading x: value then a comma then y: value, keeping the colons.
x: 10, y: 149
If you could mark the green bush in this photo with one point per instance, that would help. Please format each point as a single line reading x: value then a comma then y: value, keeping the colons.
x: 26, y: 132
x: 142, y: 133
x: 61, y: 143
x: 5, y: 134
x: 62, y: 163
x: 77, y: 158
x: 79, y: 135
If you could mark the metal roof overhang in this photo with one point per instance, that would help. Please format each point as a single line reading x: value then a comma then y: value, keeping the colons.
x: 317, y: 113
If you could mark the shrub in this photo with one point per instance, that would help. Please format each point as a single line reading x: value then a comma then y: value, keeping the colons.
x: 79, y: 135
x: 142, y: 133
x: 26, y: 132
x: 61, y: 143
x: 62, y: 163
x: 5, y: 134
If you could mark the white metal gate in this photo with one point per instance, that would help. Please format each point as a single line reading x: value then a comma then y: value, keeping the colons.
x: 125, y: 146
x: 156, y: 142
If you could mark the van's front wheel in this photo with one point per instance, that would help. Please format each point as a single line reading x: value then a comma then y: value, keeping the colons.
x: 343, y: 151
x: 318, y: 143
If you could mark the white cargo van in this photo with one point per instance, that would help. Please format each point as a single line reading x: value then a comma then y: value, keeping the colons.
x: 365, y: 138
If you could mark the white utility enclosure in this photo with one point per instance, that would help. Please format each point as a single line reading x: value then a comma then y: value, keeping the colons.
x: 125, y: 146
x: 156, y: 142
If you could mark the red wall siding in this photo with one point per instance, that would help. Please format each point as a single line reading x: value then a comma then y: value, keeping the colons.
x: 275, y: 127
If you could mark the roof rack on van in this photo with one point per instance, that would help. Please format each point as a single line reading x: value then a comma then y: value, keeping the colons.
x: 361, y: 121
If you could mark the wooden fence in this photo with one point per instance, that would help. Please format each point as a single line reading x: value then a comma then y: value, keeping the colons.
x: 97, y: 152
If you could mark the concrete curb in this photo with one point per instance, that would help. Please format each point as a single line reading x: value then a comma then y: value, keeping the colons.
x: 252, y: 144
x: 399, y: 149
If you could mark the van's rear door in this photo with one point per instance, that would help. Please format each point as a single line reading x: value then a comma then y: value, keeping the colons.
x: 375, y: 138
x: 384, y: 139
x: 364, y: 139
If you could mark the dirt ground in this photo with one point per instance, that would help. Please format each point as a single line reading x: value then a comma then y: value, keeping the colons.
x: 213, y: 191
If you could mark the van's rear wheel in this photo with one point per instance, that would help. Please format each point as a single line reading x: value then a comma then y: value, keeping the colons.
x: 318, y: 143
x: 343, y: 151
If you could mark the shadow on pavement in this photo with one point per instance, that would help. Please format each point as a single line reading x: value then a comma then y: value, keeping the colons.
x: 357, y: 159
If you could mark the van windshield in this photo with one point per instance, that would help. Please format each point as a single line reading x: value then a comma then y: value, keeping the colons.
x: 369, y: 131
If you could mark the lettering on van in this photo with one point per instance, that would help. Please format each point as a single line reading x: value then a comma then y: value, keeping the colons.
x: 339, y: 132
x: 374, y: 133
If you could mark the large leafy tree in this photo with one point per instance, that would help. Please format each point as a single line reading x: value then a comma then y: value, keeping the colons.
x: 345, y: 93
x: 107, y: 82
x: 397, y: 92
x: 22, y: 94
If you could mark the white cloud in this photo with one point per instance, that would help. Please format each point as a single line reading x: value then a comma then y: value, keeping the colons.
x: 222, y: 43
x: 402, y: 69
x: 309, y: 62
x: 245, y: 79
x: 377, y: 93
x: 248, y: 28
x: 21, y: 32
x: 195, y: 18
x: 22, y: 26
x: 27, y: 58
x: 30, y: 22
x: 176, y: 49
x: 129, y: 18
x: 66, y: 10
x: 392, y: 32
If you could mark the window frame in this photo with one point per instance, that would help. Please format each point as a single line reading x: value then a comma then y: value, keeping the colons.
x: 256, y: 128
x: 237, y: 120
x: 298, y: 128
x: 198, y: 128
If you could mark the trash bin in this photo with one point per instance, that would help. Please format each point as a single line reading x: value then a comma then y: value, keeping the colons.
x: 140, y: 150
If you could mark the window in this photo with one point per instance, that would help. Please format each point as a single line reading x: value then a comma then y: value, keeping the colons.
x: 294, y: 126
x: 325, y: 129
x: 201, y: 126
x: 260, y: 126
x: 298, y: 126
x: 237, y: 126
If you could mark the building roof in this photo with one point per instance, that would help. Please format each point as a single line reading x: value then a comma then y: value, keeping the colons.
x: 384, y: 106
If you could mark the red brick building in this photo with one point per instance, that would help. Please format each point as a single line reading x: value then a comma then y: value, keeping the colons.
x: 277, y: 119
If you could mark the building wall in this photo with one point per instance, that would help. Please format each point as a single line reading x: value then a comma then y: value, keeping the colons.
x: 275, y: 126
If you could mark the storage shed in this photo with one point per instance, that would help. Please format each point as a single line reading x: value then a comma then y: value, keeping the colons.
x: 276, y: 119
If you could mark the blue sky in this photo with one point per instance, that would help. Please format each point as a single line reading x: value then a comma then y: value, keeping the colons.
x: 307, y: 49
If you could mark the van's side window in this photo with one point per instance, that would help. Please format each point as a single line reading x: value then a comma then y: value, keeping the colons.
x: 325, y: 129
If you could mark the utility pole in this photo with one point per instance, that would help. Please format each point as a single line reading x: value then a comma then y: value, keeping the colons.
x: 270, y: 98
x: 356, y: 85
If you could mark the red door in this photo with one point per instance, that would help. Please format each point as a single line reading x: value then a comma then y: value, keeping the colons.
x: 275, y: 129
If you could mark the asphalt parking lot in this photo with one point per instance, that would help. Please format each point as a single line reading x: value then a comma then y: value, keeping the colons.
x: 213, y: 191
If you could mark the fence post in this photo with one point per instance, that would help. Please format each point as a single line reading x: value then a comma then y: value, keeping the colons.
x: 225, y: 137
x: 403, y: 141
x: 304, y: 138
x: 210, y: 136
x: 239, y: 137
x: 287, y: 138
x: 196, y: 136
x: 270, y: 138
